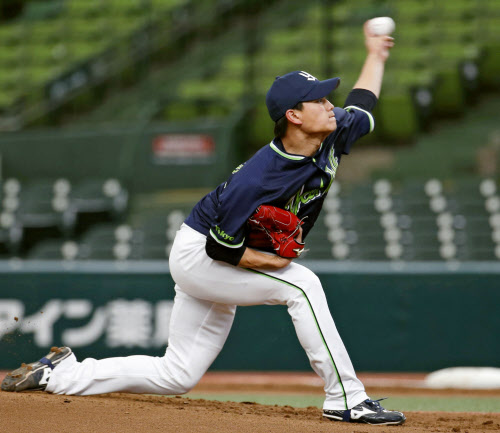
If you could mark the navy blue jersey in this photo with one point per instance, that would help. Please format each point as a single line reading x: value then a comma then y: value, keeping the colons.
x: 274, y: 177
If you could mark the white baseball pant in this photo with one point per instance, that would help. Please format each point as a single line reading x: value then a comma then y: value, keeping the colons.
x: 207, y: 293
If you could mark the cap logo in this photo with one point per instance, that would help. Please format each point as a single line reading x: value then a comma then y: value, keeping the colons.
x: 308, y: 76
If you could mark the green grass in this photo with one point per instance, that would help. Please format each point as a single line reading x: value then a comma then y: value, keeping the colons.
x: 408, y: 403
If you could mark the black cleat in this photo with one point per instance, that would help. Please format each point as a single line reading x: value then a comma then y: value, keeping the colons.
x: 35, y: 376
x: 368, y: 412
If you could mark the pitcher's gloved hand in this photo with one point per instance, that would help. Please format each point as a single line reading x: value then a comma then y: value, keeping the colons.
x: 276, y: 228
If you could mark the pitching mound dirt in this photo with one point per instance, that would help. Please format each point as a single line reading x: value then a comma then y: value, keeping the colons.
x: 38, y: 411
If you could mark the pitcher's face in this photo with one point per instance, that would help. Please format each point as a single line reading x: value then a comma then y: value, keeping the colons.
x: 318, y: 117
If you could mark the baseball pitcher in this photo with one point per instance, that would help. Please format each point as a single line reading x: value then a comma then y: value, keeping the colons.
x: 237, y: 247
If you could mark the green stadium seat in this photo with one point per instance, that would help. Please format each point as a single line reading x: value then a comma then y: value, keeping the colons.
x: 397, y: 117
x: 402, y: 80
x: 286, y: 40
x: 197, y: 90
x: 78, y: 51
x: 417, y: 35
x: 456, y: 10
x: 42, y: 55
x: 490, y: 65
x: 278, y: 63
x: 365, y: 9
x: 10, y: 57
x: 180, y: 110
x: 456, y: 31
x: 426, y: 52
x: 407, y: 59
x: 12, y: 35
x: 214, y: 110
x: 234, y: 65
x: 262, y: 126
x: 6, y: 99
x: 127, y: 7
x: 84, y: 8
x: 412, y: 12
x: 11, y: 78
x: 81, y: 29
x: 124, y: 25
x: 449, y: 94
x: 166, y: 5
x: 347, y: 37
x: 42, y: 32
x: 450, y: 53
x: 228, y: 87
x: 42, y: 10
x: 39, y: 75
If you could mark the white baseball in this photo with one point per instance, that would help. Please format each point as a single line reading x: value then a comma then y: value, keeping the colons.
x: 381, y: 26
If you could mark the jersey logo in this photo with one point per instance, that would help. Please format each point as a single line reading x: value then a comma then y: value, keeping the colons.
x: 223, y: 234
x: 302, y: 198
x: 331, y: 167
x: 308, y: 76
x: 237, y: 169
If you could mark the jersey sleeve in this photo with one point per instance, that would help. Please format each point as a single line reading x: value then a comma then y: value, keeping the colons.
x: 237, y: 202
x: 353, y: 123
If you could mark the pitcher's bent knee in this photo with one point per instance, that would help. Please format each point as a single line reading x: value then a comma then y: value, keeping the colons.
x: 184, y: 384
x: 175, y: 379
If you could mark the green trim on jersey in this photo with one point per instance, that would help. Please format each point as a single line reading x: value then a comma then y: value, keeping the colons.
x: 285, y: 155
x: 224, y: 243
x: 372, y: 120
x: 317, y: 325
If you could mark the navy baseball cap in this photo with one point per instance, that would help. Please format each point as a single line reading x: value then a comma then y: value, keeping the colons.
x: 297, y: 86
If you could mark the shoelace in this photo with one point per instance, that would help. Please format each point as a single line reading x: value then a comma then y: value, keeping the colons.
x: 375, y: 403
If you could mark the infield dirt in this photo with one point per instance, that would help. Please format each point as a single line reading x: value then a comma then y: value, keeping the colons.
x: 127, y: 413
x: 32, y: 411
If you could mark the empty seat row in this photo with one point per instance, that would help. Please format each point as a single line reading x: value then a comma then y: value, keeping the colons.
x: 360, y: 223
x: 48, y: 208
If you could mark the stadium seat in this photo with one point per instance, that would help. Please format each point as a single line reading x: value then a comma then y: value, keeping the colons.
x: 44, y: 32
x: 152, y: 252
x: 43, y: 214
x: 10, y: 57
x: 54, y: 249
x: 83, y: 30
x: 83, y: 8
x: 11, y: 232
x: 98, y: 200
x: 100, y: 195
x: 106, y: 242
x: 127, y: 7
x: 12, y: 35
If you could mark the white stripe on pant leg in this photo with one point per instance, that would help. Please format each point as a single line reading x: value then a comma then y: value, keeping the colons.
x: 196, y: 338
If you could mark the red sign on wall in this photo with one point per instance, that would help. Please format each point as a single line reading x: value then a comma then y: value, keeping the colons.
x: 183, y: 148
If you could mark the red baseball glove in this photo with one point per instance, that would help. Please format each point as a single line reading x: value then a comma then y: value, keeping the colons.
x: 276, y: 228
